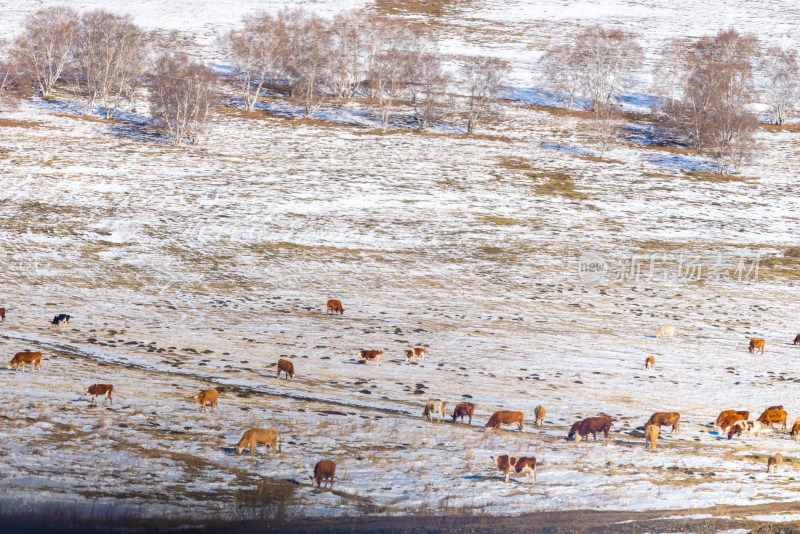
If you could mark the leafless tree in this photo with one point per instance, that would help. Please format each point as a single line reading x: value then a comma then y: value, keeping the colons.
x: 714, y: 109
x: 607, y: 121
x: 254, y: 52
x: 46, y: 45
x: 560, y: 70
x: 780, y: 71
x: 109, y: 59
x: 673, y: 65
x: 606, y: 61
x: 396, y: 47
x: 484, y: 77
x: 182, y: 94
x: 14, y: 85
x: 428, y: 90
x: 349, y: 54
x: 305, y: 58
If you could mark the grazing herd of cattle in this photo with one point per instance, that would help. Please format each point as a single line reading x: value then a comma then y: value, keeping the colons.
x: 732, y: 422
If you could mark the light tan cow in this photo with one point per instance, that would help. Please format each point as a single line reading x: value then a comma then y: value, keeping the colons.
x: 434, y: 407
x: 649, y: 363
x: 666, y: 330
x: 774, y: 462
x: 26, y: 357
x: 538, y: 413
x: 418, y: 352
x: 756, y: 344
x: 259, y: 436
x: 324, y: 470
x: 651, y: 436
x: 208, y: 396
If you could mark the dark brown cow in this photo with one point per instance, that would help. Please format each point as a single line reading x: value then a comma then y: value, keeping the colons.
x: 286, y: 367
x: 772, y: 416
x: 504, y: 417
x: 522, y: 464
x: 756, y: 344
x: 368, y: 355
x: 3, y: 316
x: 100, y: 389
x: 797, y: 340
x: 665, y: 419
x: 323, y: 471
x: 463, y: 409
x: 590, y: 425
x: 334, y: 306
x: 26, y: 357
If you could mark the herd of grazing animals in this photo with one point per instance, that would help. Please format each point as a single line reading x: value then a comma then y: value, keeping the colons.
x: 734, y: 422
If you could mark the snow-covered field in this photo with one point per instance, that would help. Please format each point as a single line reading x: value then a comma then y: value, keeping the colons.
x: 189, y: 267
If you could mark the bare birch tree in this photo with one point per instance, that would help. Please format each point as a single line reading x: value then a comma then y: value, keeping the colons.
x: 349, y: 53
x: 484, y: 77
x: 14, y: 85
x: 428, y: 90
x: 305, y: 59
x: 780, y: 71
x: 714, y: 109
x: 182, y: 94
x: 606, y: 60
x: 46, y: 45
x: 109, y: 59
x: 254, y: 52
x: 561, y: 73
x: 391, y: 65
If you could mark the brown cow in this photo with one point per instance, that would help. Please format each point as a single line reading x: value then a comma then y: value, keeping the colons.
x: 796, y: 339
x: 504, y: 417
x: 796, y: 430
x: 649, y: 362
x: 26, y: 357
x: 538, y: 413
x: 522, y: 464
x: 725, y: 413
x: 208, y: 396
x: 368, y: 355
x: 324, y: 470
x: 770, y: 417
x: 3, y: 316
x: 755, y: 344
x: 728, y: 422
x: 590, y: 425
x: 651, y: 436
x: 418, y: 352
x: 774, y: 462
x: 334, y: 306
x: 287, y: 367
x: 100, y: 389
x: 463, y: 409
x: 259, y: 436
x: 665, y: 419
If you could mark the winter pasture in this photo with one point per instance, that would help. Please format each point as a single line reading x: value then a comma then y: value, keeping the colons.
x: 191, y: 267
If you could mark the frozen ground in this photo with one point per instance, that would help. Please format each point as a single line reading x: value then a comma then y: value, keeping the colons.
x: 198, y: 266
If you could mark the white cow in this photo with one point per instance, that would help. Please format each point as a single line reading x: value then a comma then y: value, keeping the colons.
x: 434, y: 406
